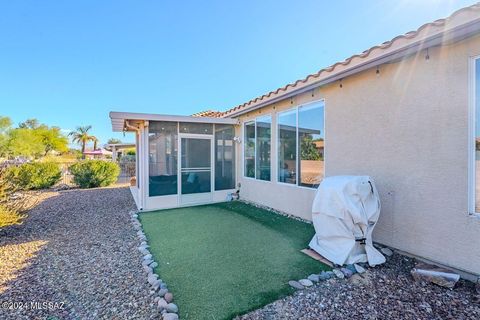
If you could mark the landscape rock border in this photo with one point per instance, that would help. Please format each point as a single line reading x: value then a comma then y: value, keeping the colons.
x: 340, y: 272
x: 162, y: 298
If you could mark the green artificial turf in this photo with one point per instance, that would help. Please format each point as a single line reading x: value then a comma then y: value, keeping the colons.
x: 226, y: 259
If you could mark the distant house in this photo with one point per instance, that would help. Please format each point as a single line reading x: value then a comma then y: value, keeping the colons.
x: 403, y: 112
x: 97, y: 154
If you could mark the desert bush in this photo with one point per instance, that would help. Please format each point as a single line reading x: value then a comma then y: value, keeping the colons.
x: 94, y: 173
x: 10, y: 217
x: 12, y: 204
x: 34, y: 175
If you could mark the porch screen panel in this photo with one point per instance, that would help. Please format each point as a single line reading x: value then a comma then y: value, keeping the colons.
x: 249, y: 150
x: 224, y: 157
x: 196, y: 128
x: 263, y: 138
x: 477, y: 136
x: 311, y: 144
x: 287, y: 147
x: 162, y: 158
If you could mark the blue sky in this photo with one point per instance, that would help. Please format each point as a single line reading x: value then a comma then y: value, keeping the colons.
x: 69, y: 63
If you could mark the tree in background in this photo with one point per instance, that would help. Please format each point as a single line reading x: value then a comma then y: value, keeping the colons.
x: 114, y: 141
x: 82, y: 136
x: 308, y: 148
x: 5, y: 124
x: 30, y: 139
x: 52, y: 139
x: 95, y: 143
x: 29, y: 124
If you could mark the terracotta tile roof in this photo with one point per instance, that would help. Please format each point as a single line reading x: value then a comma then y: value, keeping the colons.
x: 209, y: 114
x: 401, y: 40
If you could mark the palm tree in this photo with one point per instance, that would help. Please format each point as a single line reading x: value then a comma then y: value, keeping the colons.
x: 82, y: 137
x: 95, y: 142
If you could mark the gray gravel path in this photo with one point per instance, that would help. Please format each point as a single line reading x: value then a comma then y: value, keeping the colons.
x: 76, y: 251
x: 385, y: 292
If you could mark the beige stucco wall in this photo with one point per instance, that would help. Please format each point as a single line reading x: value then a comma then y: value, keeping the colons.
x: 408, y: 129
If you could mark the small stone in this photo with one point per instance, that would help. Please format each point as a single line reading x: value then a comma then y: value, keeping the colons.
x: 156, y: 285
x: 163, y: 285
x: 296, y: 285
x: 162, y: 304
x: 162, y: 292
x: 135, y: 215
x: 147, y: 262
x: 351, y: 267
x: 359, y: 268
x: 156, y: 300
x: 339, y: 274
x: 152, y: 278
x: 154, y: 265
x: 147, y: 269
x: 330, y: 274
x: 387, y: 252
x: 347, y: 272
x: 143, y: 243
x: 172, y: 307
x: 168, y: 297
x: 170, y: 316
x: 324, y: 276
x: 147, y: 257
x: 314, y: 278
x: 305, y: 282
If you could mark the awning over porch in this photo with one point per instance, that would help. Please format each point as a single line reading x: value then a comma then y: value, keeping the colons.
x: 125, y: 121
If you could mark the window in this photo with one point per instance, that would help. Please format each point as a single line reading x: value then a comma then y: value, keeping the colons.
x: 287, y: 147
x: 224, y: 157
x: 162, y: 158
x: 249, y: 150
x: 257, y: 142
x: 263, y: 127
x: 301, y: 136
x: 476, y: 101
x: 311, y: 136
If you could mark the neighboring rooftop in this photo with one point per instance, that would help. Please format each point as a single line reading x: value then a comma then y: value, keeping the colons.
x: 208, y: 113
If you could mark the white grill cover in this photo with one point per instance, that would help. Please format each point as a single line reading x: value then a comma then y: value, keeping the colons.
x: 346, y: 209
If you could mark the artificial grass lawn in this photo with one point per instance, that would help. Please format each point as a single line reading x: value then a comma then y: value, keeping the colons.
x: 226, y: 259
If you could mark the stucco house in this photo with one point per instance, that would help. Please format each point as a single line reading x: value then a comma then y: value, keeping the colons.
x: 404, y: 112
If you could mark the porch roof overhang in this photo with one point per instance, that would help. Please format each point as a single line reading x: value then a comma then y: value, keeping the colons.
x: 120, y: 119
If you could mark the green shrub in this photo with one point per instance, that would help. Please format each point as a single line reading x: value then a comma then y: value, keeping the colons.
x: 94, y: 173
x: 34, y: 175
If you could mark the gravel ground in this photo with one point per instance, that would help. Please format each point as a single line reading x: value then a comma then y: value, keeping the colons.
x: 76, y: 251
x: 386, y: 292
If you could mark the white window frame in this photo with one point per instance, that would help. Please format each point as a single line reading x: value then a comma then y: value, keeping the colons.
x: 471, y: 137
x: 297, y: 164
x: 254, y: 121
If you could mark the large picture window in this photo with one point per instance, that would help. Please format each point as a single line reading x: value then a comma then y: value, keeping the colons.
x: 476, y: 99
x: 257, y: 144
x: 287, y: 147
x: 300, y: 145
x: 162, y: 158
